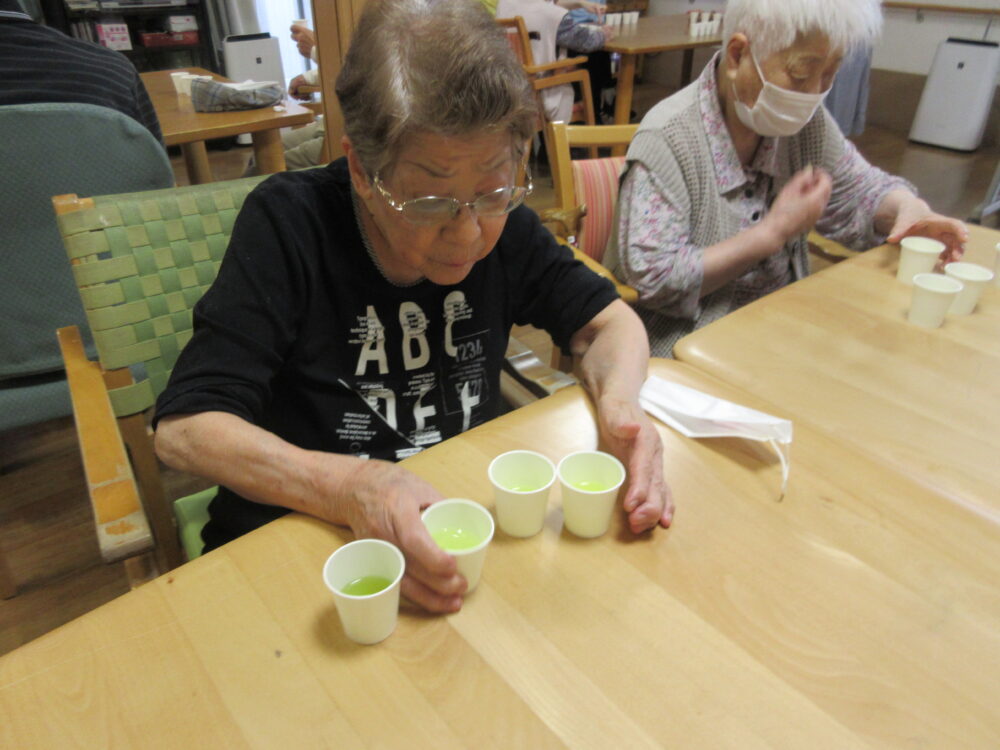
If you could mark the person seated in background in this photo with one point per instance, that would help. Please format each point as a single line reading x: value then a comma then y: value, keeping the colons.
x: 304, y: 146
x: 362, y: 310
x: 572, y: 25
x: 724, y: 178
x: 39, y: 64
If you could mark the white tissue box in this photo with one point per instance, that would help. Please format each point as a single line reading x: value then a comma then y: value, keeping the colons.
x: 182, y: 23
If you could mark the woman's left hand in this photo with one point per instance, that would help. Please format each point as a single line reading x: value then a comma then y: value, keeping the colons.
x: 632, y: 438
x: 915, y: 218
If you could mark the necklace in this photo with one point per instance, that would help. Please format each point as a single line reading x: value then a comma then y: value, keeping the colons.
x: 368, y: 245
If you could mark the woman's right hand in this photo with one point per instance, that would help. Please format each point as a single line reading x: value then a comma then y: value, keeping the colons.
x: 304, y: 38
x: 384, y: 501
x: 293, y: 88
x: 800, y: 204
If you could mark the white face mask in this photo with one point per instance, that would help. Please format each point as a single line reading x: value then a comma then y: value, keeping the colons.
x: 777, y: 111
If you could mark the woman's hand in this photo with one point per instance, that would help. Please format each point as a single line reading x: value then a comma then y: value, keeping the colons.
x: 632, y: 438
x: 916, y: 218
x: 304, y: 39
x: 383, y: 500
x: 800, y: 204
x: 293, y: 87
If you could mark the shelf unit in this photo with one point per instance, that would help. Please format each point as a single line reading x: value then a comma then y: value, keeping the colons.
x: 143, y: 18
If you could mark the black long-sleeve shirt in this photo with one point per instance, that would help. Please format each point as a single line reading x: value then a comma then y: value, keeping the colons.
x: 41, y: 64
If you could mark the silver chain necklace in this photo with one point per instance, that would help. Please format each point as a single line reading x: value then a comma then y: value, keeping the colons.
x: 368, y: 245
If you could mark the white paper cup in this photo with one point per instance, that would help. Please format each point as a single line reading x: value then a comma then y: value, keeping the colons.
x: 590, y: 481
x: 917, y: 255
x: 932, y: 296
x: 366, y: 618
x: 176, y: 79
x: 521, y: 482
x: 463, y: 529
x: 974, y: 279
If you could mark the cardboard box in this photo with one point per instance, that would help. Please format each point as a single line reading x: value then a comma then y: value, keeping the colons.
x: 182, y: 23
x: 169, y: 39
x: 113, y: 35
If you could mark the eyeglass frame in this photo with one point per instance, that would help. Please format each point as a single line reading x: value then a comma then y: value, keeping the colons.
x: 457, y: 204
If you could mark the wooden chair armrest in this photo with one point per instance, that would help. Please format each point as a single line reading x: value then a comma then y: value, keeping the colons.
x: 567, y: 218
x: 569, y: 62
x: 121, y: 525
x: 627, y: 293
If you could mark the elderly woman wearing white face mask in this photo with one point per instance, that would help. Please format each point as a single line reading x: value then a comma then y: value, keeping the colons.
x: 725, y: 178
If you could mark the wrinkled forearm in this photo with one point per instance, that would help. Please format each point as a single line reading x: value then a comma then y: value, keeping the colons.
x: 613, y: 353
x: 257, y: 464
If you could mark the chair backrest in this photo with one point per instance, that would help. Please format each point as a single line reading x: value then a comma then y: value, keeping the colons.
x: 517, y: 37
x: 141, y: 261
x: 47, y: 149
x: 592, y: 183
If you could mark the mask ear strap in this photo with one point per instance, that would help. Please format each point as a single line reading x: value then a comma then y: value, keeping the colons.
x: 782, y: 449
x: 753, y: 59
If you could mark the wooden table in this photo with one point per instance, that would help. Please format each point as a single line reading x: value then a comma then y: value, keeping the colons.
x: 835, y: 350
x: 183, y: 126
x: 651, y: 34
x: 838, y: 618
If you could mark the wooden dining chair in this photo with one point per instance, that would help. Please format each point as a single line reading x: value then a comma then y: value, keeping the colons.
x: 140, y: 262
x: 586, y: 191
x: 548, y: 75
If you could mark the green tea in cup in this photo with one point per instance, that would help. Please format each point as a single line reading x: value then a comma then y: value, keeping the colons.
x: 591, y: 486
x: 454, y: 538
x: 365, y: 585
x: 462, y: 528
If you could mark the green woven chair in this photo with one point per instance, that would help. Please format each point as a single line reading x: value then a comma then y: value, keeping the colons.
x: 140, y: 261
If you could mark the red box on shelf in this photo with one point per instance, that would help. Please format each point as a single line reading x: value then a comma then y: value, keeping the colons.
x: 169, y: 38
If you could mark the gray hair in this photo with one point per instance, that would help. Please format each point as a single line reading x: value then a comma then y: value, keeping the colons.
x: 437, y: 66
x: 773, y: 25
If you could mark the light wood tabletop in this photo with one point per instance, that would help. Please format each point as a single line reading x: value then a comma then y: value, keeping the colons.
x: 183, y: 126
x: 652, y: 34
x: 835, y: 350
x: 862, y: 611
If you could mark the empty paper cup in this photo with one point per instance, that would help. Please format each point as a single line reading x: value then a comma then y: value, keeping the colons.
x: 932, y: 296
x: 590, y: 481
x: 974, y: 279
x: 178, y: 80
x: 521, y: 482
x: 364, y: 577
x: 463, y: 529
x: 917, y: 255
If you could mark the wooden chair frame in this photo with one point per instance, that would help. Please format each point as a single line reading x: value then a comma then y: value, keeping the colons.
x: 562, y: 72
x: 134, y: 521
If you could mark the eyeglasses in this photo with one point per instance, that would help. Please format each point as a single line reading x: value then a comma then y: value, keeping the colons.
x: 432, y: 209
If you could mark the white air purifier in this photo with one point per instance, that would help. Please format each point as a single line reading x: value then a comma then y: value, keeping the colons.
x: 958, y: 94
x: 253, y: 57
